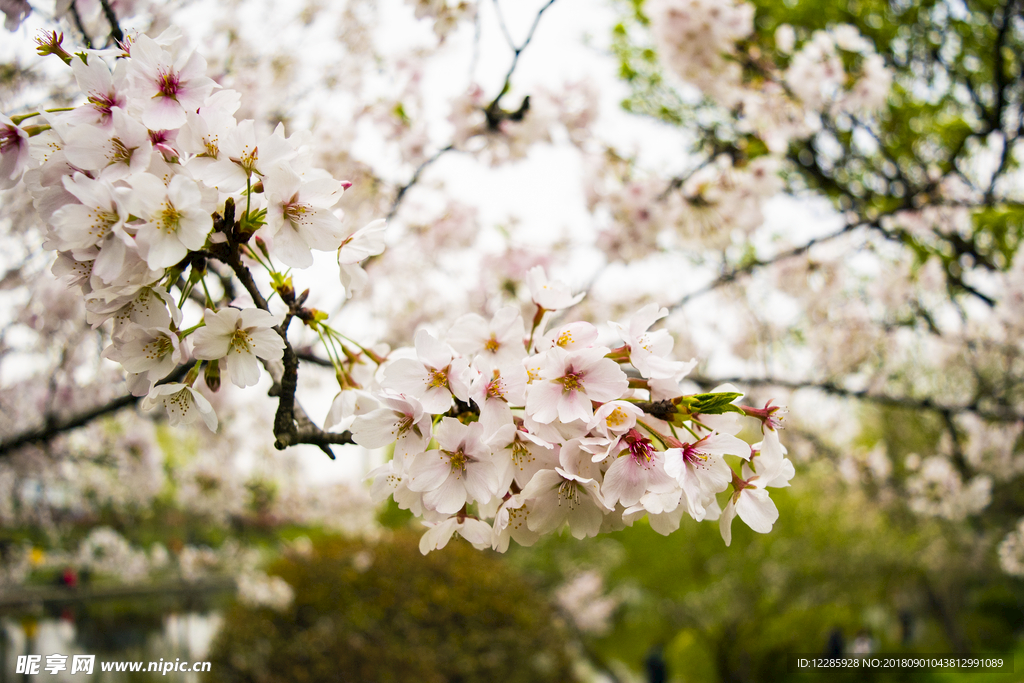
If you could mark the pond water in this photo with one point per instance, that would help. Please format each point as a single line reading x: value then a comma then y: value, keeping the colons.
x: 113, y: 636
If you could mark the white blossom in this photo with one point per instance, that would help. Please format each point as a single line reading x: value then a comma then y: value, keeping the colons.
x: 184, y: 404
x: 239, y: 337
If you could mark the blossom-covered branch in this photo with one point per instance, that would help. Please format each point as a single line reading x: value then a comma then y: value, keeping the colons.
x: 499, y: 432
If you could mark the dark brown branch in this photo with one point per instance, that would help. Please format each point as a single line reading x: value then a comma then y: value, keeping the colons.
x: 73, y: 9
x: 310, y: 357
x: 293, y: 427
x: 245, y: 277
x: 735, y: 273
x: 516, y: 51
x: 999, y: 66
x: 955, y: 443
x: 928, y: 404
x: 321, y: 439
x: 1000, y: 86
x: 116, y: 34
x: 291, y: 424
x: 284, y: 420
x: 54, y: 428
x: 663, y: 410
x: 968, y: 83
x: 883, y: 149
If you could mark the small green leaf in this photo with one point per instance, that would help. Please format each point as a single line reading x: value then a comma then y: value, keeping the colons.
x: 710, y: 404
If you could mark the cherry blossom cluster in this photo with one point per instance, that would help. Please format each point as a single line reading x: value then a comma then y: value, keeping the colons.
x: 150, y: 180
x: 714, y: 205
x: 832, y: 71
x: 1011, y: 551
x: 936, y: 489
x: 819, y: 78
x: 446, y: 14
x: 584, y: 598
x: 151, y: 185
x: 499, y: 434
x: 697, y: 39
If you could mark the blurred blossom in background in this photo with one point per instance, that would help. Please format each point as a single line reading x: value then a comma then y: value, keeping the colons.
x: 826, y: 199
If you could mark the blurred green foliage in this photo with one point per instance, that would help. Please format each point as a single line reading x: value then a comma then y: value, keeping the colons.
x: 846, y: 557
x: 380, y: 611
x: 956, y: 92
x: 838, y: 560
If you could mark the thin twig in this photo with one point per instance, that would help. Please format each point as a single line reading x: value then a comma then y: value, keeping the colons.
x: 735, y: 273
x: 79, y: 25
x: 475, y: 58
x: 516, y: 51
x: 504, y: 26
x: 490, y: 109
x: 400, y: 195
x: 678, y: 181
x: 116, y: 34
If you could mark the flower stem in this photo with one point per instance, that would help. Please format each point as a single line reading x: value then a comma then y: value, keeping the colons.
x: 209, y: 299
x: 185, y: 333
x: 18, y: 119
x: 653, y: 432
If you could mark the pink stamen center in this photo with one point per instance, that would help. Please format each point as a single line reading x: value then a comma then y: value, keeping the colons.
x: 640, y: 447
x: 8, y: 138
x: 169, y: 85
x: 102, y: 103
x: 693, y: 455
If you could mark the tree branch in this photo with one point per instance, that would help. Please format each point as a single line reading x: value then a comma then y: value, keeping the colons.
x: 400, y: 195
x: 516, y: 51
x: 291, y: 424
x: 492, y: 110
x: 1000, y: 86
x: 54, y: 428
x: 504, y: 26
x: 735, y: 273
x: 73, y: 9
x: 828, y: 387
x: 116, y: 34
x: 999, y: 66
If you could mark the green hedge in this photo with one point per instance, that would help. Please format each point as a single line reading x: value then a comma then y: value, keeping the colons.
x: 382, y: 612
